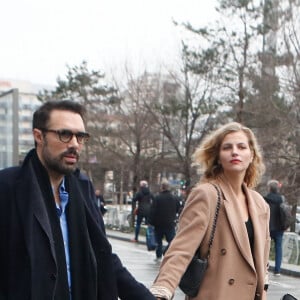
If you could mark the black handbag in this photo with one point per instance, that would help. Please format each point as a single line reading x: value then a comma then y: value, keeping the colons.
x: 288, y: 297
x: 192, y: 278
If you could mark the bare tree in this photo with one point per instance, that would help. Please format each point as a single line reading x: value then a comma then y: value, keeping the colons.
x: 184, y: 114
x: 89, y: 88
x: 134, y: 139
x: 262, y: 97
x: 230, y: 45
x: 288, y: 65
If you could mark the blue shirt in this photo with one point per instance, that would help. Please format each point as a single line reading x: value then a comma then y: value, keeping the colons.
x: 61, y: 211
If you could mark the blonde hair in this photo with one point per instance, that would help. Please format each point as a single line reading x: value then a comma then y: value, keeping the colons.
x: 206, y: 155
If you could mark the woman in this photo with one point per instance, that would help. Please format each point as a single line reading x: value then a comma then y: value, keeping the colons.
x: 239, y: 255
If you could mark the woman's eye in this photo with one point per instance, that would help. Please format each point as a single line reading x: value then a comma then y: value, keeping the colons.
x: 226, y: 147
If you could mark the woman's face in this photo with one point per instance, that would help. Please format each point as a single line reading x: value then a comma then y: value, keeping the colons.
x: 235, y: 154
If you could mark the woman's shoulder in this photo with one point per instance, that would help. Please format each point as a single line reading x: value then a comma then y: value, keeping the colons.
x: 208, y: 186
x: 203, y: 190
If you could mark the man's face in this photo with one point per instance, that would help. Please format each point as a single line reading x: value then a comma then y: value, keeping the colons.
x: 58, y: 157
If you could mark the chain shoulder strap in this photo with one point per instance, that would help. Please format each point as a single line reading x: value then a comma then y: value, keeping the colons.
x: 213, y: 230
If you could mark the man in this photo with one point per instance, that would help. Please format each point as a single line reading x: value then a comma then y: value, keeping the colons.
x: 182, y: 199
x: 100, y: 202
x: 274, y: 199
x: 142, y: 203
x: 163, y: 215
x: 53, y: 243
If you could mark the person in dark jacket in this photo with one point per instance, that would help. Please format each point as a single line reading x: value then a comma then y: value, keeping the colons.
x: 100, y: 202
x: 274, y: 199
x: 142, y: 202
x: 163, y: 215
x: 52, y: 239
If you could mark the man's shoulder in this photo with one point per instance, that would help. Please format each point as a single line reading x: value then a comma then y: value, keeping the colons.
x: 166, y: 195
x: 80, y: 175
x: 9, y: 173
x: 170, y: 195
x: 272, y: 198
x: 9, y: 178
x: 84, y: 182
x: 137, y: 196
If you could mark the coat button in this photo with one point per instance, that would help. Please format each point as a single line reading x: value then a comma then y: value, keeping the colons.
x: 223, y: 251
x: 53, y: 276
x: 231, y: 281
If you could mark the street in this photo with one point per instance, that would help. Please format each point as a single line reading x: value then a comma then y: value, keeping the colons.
x: 141, y: 264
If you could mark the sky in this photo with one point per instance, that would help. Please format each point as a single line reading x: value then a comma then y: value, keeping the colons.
x: 39, y: 38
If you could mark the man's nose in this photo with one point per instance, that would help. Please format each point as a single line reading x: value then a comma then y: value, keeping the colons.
x: 74, y: 142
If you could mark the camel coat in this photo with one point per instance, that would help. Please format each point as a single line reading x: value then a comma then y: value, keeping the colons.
x: 234, y: 273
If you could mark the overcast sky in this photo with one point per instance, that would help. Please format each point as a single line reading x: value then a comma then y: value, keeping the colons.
x: 40, y: 37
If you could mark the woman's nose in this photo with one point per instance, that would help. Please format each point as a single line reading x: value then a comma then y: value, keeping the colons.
x: 234, y: 151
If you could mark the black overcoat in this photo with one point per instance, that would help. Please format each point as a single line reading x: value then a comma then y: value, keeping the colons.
x: 28, y: 266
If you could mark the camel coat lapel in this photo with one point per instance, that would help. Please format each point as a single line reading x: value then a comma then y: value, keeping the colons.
x: 240, y: 234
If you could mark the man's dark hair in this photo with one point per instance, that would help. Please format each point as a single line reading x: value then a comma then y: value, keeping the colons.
x: 42, y: 115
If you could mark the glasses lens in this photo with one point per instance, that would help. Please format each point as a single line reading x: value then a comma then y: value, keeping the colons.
x: 65, y: 135
x: 82, y: 137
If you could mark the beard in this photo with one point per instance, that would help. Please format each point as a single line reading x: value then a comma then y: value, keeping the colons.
x: 57, y: 164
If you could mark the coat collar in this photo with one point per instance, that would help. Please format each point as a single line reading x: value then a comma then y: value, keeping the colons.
x: 29, y: 201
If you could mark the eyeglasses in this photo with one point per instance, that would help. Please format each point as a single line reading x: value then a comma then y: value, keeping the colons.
x: 66, y: 135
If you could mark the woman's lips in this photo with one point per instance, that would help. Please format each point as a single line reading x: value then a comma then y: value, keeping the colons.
x: 235, y: 161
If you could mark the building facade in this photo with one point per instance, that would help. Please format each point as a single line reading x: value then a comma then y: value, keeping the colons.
x: 18, y: 101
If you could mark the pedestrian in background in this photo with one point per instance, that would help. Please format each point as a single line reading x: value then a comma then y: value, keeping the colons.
x: 133, y: 208
x: 238, y: 263
x: 100, y: 202
x: 163, y: 213
x: 182, y: 198
x: 52, y: 241
x: 274, y: 199
x: 142, y: 202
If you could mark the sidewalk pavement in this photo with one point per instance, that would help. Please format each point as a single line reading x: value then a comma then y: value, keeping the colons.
x: 286, y: 269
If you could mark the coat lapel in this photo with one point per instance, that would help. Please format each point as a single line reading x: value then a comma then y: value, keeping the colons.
x: 30, y: 204
x: 258, y: 216
x: 236, y: 222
